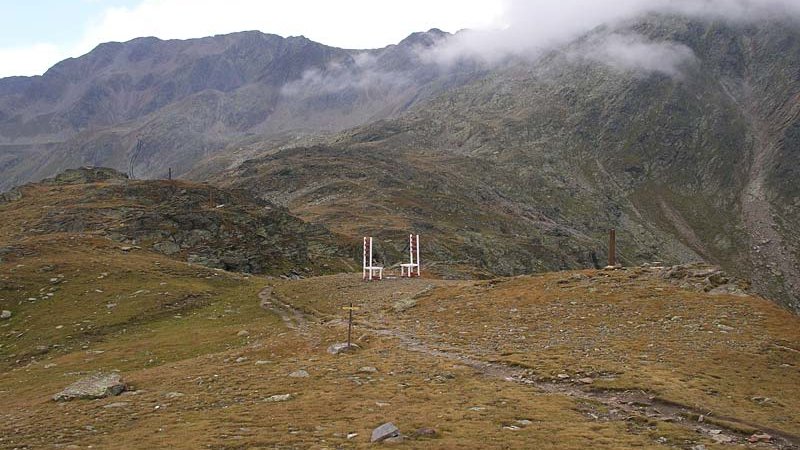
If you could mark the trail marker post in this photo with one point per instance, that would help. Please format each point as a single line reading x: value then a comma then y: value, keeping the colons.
x: 612, y: 248
x: 350, y: 308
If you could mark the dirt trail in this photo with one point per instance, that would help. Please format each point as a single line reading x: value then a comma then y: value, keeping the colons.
x: 621, y: 405
x: 293, y: 318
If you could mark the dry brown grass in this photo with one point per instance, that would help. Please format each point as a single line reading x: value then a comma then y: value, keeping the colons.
x: 442, y: 350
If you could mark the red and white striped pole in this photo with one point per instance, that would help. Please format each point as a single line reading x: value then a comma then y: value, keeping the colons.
x: 419, y: 266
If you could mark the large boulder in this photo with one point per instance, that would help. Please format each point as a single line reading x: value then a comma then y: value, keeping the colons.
x: 384, y: 432
x: 95, y: 386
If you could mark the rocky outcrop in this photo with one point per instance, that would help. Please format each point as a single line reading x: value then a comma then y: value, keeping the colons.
x: 95, y: 386
x: 705, y: 277
x: 198, y: 223
x: 86, y: 174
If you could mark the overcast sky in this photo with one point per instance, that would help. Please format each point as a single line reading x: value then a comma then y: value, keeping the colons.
x: 35, y: 34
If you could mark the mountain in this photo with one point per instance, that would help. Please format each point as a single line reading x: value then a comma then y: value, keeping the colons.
x: 146, y: 105
x: 527, y: 168
x: 680, y: 133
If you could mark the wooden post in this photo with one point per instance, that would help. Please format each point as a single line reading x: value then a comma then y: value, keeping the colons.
x: 612, y: 247
x: 350, y: 308
x: 170, y: 174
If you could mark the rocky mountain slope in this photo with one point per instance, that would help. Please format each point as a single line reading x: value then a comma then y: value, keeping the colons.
x: 527, y: 168
x: 196, y: 223
x: 188, y: 100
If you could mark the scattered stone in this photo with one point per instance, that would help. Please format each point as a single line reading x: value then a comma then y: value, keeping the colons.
x: 404, y: 304
x: 562, y: 376
x: 243, y: 333
x: 351, y: 435
x: 425, y: 432
x: 524, y: 422
x: 261, y: 362
x: 116, y: 405
x: 699, y: 447
x: 173, y: 394
x: 342, y: 347
x: 722, y: 438
x: 299, y: 374
x: 384, y: 432
x: 586, y: 380
x: 167, y: 247
x: 6, y: 314
x: 760, y: 438
x: 95, y: 386
x: 279, y: 398
x: 367, y: 369
x: 241, y: 359
x: 394, y: 440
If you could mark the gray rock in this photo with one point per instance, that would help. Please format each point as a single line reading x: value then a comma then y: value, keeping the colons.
x: 243, y: 333
x: 6, y: 314
x: 385, y: 431
x: 367, y: 369
x: 279, y: 398
x: 342, y: 347
x: 167, y: 247
x: 299, y: 374
x: 426, y: 432
x: 95, y: 386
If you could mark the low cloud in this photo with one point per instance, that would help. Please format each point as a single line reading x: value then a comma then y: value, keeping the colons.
x: 363, y: 74
x: 533, y: 27
x: 631, y: 52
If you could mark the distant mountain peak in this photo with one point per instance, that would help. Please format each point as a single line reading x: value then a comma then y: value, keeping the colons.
x: 424, y: 38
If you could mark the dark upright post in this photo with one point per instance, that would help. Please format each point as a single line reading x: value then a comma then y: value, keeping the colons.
x: 612, y: 247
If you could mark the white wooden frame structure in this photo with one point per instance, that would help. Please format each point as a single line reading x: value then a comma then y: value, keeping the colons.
x: 413, y: 251
x: 368, y: 270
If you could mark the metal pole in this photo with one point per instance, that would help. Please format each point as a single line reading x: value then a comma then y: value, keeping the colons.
x: 370, y: 259
x: 612, y: 247
x: 170, y: 174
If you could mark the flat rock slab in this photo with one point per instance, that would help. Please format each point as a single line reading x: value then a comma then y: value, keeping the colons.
x: 95, y: 386
x: 342, y: 347
x: 384, y: 432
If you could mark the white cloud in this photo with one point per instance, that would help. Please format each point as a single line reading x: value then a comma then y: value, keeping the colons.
x: 631, y: 52
x: 530, y: 27
x: 28, y: 60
